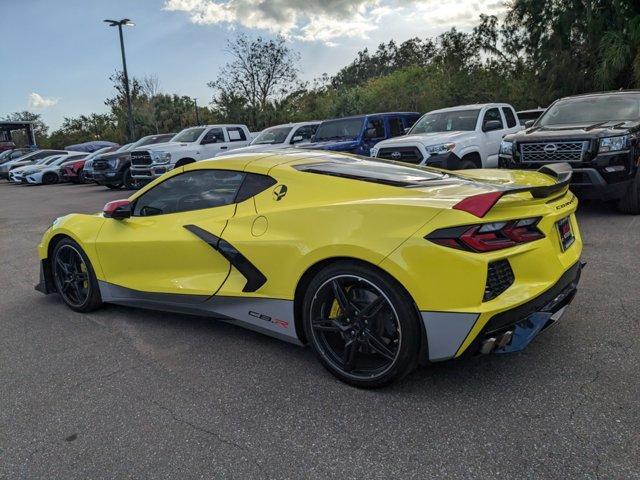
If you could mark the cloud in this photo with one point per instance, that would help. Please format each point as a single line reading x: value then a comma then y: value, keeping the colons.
x: 38, y: 101
x: 328, y: 20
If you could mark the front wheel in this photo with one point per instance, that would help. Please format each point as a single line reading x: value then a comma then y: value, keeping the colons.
x: 630, y: 203
x: 49, y: 178
x: 130, y: 183
x: 361, y: 324
x: 74, y: 277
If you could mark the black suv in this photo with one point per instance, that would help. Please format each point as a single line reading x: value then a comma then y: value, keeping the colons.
x: 113, y: 169
x: 597, y: 134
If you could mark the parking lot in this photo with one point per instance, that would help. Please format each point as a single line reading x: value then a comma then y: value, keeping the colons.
x: 140, y: 394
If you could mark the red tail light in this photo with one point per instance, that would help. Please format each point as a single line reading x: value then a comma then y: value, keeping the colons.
x: 487, y: 237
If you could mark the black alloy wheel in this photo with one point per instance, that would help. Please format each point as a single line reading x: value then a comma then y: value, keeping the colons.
x: 130, y: 183
x: 49, y: 178
x: 363, y: 329
x: 74, y: 277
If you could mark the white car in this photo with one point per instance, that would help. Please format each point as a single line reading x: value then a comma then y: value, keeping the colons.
x: 280, y: 136
x: 467, y: 136
x: 15, y: 174
x: 27, y: 159
x: 49, y: 173
x: 188, y: 146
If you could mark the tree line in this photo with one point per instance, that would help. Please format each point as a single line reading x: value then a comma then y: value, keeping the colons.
x: 539, y: 51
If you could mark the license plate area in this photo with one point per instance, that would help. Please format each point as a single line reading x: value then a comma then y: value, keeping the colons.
x: 565, y: 233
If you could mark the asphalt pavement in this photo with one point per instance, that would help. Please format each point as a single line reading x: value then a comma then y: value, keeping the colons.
x: 128, y: 393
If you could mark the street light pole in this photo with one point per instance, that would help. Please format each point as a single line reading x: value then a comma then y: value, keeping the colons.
x: 119, y: 24
x: 195, y: 103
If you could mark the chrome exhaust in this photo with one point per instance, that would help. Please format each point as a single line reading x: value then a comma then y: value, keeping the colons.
x: 490, y: 344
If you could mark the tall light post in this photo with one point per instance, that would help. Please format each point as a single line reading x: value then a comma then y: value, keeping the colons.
x: 119, y: 24
x: 195, y: 104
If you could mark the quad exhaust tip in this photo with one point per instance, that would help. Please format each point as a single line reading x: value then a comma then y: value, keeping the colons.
x: 490, y: 344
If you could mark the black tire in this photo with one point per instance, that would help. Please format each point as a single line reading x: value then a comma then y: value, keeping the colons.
x: 630, y: 202
x: 49, y: 178
x: 74, y: 277
x: 80, y: 178
x: 113, y: 186
x: 467, y: 164
x: 130, y: 183
x: 372, y: 342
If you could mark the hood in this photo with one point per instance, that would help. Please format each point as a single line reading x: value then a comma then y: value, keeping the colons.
x: 165, y: 146
x: 578, y: 131
x: 426, y: 139
x: 334, y: 145
x: 107, y: 156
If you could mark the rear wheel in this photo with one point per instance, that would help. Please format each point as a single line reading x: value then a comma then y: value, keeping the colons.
x: 361, y: 324
x: 74, y: 277
x: 49, y: 178
x: 630, y: 203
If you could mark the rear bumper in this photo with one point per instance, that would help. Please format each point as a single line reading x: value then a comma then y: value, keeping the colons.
x: 524, y: 322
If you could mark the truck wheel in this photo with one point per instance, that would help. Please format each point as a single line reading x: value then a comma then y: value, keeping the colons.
x: 467, y: 165
x: 630, y: 203
x: 130, y: 183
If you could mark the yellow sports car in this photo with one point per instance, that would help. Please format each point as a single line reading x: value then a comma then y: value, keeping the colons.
x: 377, y: 265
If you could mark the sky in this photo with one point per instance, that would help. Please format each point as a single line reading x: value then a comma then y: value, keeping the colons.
x: 57, y: 55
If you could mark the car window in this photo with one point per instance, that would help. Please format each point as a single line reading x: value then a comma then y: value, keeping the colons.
x: 253, y: 184
x: 188, y: 135
x: 492, y: 114
x: 448, y: 121
x: 215, y: 135
x: 509, y: 117
x: 193, y: 190
x: 342, y: 129
x: 395, y: 127
x: 236, y: 134
x: 272, y: 136
x: 306, y: 132
x: 375, y: 128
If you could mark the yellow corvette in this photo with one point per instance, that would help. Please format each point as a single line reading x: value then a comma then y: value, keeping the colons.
x: 378, y: 265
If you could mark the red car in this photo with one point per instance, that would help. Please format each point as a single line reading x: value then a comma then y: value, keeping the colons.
x: 72, y: 171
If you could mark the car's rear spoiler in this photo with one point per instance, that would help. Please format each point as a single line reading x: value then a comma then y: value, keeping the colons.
x: 480, y: 204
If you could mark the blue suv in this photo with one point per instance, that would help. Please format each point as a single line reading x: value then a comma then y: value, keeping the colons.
x: 359, y: 133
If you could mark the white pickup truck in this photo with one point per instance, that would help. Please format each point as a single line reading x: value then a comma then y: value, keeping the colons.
x: 188, y: 146
x: 467, y: 136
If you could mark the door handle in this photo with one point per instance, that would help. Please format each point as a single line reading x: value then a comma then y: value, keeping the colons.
x: 223, y: 148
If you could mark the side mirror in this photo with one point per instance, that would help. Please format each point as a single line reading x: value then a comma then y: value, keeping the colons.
x: 406, y: 130
x: 118, y: 209
x: 297, y: 139
x: 529, y: 123
x: 491, y: 125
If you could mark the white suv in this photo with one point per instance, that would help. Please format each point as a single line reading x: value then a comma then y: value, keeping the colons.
x: 190, y: 145
x: 467, y: 136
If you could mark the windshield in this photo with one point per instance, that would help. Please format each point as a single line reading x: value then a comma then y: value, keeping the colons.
x: 345, y: 129
x: 590, y: 110
x: 272, y: 135
x: 48, y: 160
x: 188, y: 135
x: 457, y: 120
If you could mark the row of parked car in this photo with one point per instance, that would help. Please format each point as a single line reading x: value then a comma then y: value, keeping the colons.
x: 596, y: 133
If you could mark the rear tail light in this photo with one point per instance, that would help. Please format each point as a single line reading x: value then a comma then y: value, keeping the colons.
x: 487, y: 237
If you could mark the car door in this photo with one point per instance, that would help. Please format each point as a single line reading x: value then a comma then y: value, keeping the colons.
x: 168, y: 244
x: 492, y: 138
x: 237, y: 137
x: 212, y: 142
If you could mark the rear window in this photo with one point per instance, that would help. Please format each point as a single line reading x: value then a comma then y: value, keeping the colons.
x: 376, y: 171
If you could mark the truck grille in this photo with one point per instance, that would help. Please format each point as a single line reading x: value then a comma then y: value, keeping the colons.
x: 401, y: 154
x: 499, y: 278
x: 140, y: 159
x: 553, y: 151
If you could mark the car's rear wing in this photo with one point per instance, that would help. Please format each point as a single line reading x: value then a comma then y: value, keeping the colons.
x: 479, y: 205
